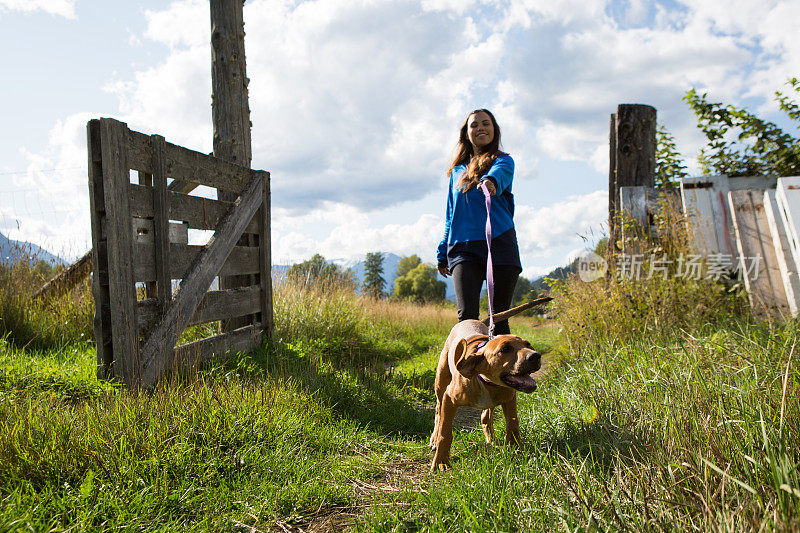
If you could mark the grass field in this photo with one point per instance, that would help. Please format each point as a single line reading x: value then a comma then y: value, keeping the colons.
x: 693, y: 428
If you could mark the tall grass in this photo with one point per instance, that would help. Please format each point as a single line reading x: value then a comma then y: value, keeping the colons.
x: 277, y: 436
x: 683, y: 417
x: 30, y: 323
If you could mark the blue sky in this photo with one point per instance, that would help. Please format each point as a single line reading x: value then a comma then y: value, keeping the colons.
x: 356, y: 104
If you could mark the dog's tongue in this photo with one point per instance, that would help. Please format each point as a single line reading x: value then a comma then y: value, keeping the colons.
x: 521, y: 383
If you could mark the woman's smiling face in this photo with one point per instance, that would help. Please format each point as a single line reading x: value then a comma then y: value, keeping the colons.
x: 480, y: 130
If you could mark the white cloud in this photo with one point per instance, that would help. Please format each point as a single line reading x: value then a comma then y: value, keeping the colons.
x: 183, y: 24
x: 540, y: 230
x: 572, y: 143
x: 349, y: 233
x: 172, y: 99
x: 63, y: 8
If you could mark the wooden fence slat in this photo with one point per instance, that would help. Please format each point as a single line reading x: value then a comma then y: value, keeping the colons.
x: 100, y: 292
x: 188, y: 165
x: 197, y: 212
x: 754, y: 239
x: 705, y: 203
x: 759, y: 183
x: 158, y: 344
x: 788, y: 196
x: 120, y: 250
x: 634, y: 224
x: 783, y: 253
x: 215, y: 305
x: 65, y: 280
x: 265, y: 258
x: 633, y: 203
x: 641, y: 205
x: 242, y: 260
x: 239, y: 340
x: 163, y: 230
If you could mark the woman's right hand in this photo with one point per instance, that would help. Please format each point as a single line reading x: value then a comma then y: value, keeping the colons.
x: 443, y: 270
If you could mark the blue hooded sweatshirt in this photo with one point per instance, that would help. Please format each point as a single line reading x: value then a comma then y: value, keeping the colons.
x: 465, y: 219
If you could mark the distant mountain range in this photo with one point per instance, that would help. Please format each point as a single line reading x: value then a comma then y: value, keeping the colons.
x: 12, y: 251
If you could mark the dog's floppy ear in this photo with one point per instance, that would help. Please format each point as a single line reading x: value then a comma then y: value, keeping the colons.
x: 467, y: 363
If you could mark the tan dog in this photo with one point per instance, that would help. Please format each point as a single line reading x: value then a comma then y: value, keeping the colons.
x: 477, y: 372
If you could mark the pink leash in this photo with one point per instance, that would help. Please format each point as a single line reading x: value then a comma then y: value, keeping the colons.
x: 489, y: 270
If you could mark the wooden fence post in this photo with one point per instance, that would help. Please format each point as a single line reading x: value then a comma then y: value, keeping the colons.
x: 230, y: 112
x: 632, y: 156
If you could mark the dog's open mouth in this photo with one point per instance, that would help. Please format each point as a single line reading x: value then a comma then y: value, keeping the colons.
x: 522, y: 383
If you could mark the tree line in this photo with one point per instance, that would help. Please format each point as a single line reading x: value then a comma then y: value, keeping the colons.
x: 415, y: 281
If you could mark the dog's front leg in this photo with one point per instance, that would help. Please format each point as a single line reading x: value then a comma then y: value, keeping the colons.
x: 512, y: 422
x: 487, y: 423
x: 444, y: 438
x: 436, y: 420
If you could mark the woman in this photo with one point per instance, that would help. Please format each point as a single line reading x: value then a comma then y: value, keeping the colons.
x: 462, y: 251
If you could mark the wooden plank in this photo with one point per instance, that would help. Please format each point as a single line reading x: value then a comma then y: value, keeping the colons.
x: 158, y: 344
x: 215, y: 305
x: 633, y: 203
x: 634, y: 224
x: 116, y: 178
x: 760, y: 183
x: 787, y: 195
x: 181, y: 186
x: 239, y: 340
x: 164, y: 232
x: 188, y: 165
x: 783, y: 253
x: 144, y: 231
x: 706, y: 205
x: 197, y: 212
x: 100, y: 292
x: 67, y: 279
x: 242, y: 260
x: 754, y: 240
x: 265, y: 259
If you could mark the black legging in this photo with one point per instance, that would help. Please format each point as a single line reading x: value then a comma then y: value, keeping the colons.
x: 468, y: 280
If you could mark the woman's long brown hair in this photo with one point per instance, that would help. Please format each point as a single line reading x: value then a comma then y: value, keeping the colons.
x: 476, y: 166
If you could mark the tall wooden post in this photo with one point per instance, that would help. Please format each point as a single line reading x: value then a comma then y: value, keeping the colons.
x: 229, y: 104
x: 230, y: 110
x: 632, y: 156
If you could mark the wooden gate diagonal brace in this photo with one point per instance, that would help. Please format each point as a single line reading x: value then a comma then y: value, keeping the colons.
x: 159, y: 344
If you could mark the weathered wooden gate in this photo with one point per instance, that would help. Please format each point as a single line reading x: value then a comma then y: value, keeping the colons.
x: 138, y: 237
